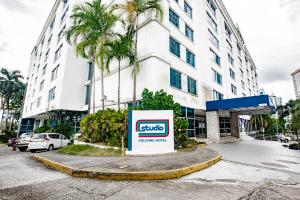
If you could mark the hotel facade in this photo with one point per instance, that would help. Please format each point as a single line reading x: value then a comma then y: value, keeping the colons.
x: 196, y: 53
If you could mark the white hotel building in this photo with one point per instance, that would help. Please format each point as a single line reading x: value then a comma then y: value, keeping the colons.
x: 196, y: 54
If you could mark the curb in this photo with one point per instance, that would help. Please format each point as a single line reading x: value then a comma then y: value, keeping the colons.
x: 147, y: 175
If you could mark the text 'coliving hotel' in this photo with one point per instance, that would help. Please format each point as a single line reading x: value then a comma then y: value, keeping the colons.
x: 196, y: 54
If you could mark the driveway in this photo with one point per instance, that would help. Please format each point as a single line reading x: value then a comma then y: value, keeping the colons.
x: 22, y: 178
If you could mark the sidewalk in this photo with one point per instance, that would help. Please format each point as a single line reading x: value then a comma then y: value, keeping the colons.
x: 157, y: 167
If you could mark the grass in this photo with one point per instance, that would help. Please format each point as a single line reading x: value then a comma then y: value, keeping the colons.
x: 188, y: 146
x: 86, y: 150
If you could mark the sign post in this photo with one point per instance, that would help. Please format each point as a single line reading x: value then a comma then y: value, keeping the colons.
x: 150, y: 132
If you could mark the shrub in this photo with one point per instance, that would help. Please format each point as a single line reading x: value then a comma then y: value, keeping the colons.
x: 105, y: 126
x: 160, y: 100
x: 294, y: 146
x: 64, y: 129
x: 43, y: 129
x: 7, y: 134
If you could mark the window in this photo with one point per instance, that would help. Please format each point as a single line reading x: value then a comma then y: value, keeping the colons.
x: 192, y: 86
x: 174, y: 18
x: 61, y: 34
x: 190, y: 58
x: 40, y: 56
x: 175, y: 79
x: 42, y: 85
x: 49, y: 40
x: 232, y: 74
x: 44, y: 69
x: 90, y: 74
x: 31, y: 105
x: 53, y: 136
x: 174, y: 47
x: 189, y: 33
x: 212, y: 22
x: 233, y: 89
x: 229, y: 46
x: 188, y: 10
x: 213, y: 39
x: 240, y: 62
x: 217, y: 95
x: 242, y: 73
x: 57, y: 53
x: 33, y: 92
x: 51, y: 95
x: 217, y: 77
x: 47, y: 55
x: 63, y: 17
x: 54, y: 73
x: 212, y: 6
x: 239, y: 48
x: 214, y: 57
x: 230, y: 60
x: 243, y: 84
x: 38, y: 104
x: 35, y: 80
x: 87, y: 94
x: 228, y: 31
x: 52, y: 24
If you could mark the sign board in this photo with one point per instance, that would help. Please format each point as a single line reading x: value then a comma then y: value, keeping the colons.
x: 150, y: 132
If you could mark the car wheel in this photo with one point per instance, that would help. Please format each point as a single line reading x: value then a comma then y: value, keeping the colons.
x: 286, y: 141
x: 51, y: 147
x: 32, y: 151
x: 22, y: 149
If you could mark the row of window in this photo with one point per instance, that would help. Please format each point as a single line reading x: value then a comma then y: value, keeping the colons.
x: 175, y: 81
x: 174, y: 19
x: 174, y: 47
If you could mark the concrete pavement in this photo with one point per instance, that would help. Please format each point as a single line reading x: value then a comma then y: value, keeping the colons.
x: 223, y: 181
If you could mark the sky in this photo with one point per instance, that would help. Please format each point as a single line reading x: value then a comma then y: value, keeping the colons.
x: 270, y: 28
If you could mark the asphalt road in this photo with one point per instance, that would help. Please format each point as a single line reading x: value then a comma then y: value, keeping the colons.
x: 22, y: 178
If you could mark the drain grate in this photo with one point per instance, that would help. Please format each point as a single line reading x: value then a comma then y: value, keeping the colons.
x: 270, y: 164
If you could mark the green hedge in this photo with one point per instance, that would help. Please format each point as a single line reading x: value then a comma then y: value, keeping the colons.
x: 105, y: 126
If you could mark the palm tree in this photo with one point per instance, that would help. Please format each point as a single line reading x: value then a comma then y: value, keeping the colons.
x: 92, y: 26
x: 134, y: 9
x: 121, y: 49
x: 8, y: 87
x: 260, y: 123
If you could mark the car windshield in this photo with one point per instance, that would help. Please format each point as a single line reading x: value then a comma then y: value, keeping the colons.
x: 39, y: 136
x: 25, y: 135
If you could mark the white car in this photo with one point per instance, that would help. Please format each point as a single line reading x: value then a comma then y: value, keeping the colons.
x: 47, y: 141
x: 23, y: 141
x: 285, y: 139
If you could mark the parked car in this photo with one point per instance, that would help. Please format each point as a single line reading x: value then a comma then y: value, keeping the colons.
x: 23, y: 141
x: 285, y: 139
x: 11, y: 141
x: 47, y: 141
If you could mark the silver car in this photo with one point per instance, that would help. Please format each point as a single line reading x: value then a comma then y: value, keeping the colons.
x: 23, y: 141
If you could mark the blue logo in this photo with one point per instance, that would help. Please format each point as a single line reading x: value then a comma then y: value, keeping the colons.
x: 152, y: 128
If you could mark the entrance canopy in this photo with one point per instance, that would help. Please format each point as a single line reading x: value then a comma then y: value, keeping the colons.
x: 255, y: 105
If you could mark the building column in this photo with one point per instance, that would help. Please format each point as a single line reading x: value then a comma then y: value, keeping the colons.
x: 213, y: 126
x: 234, y: 125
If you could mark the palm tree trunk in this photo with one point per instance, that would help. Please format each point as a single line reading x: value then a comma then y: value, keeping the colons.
x: 119, y: 85
x: 102, y: 87
x: 7, y: 114
x: 91, y: 87
x: 94, y: 86
x: 135, y: 52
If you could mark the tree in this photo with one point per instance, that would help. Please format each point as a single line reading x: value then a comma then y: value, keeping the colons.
x: 260, y: 123
x: 10, y: 85
x: 121, y: 49
x: 134, y: 9
x: 92, y: 26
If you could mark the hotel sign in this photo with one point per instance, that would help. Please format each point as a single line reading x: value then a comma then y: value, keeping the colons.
x: 150, y: 132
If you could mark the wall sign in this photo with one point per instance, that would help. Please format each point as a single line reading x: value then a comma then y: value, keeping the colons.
x: 150, y: 132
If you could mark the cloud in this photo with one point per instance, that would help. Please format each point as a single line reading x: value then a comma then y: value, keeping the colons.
x: 3, y: 46
x: 15, y: 5
x: 293, y: 9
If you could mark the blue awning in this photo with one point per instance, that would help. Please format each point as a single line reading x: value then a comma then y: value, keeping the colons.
x: 245, y: 105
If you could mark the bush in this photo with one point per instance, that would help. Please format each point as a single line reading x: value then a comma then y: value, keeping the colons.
x: 64, y: 129
x: 105, y: 126
x: 294, y: 146
x: 7, y: 134
x: 43, y: 129
x: 160, y: 100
